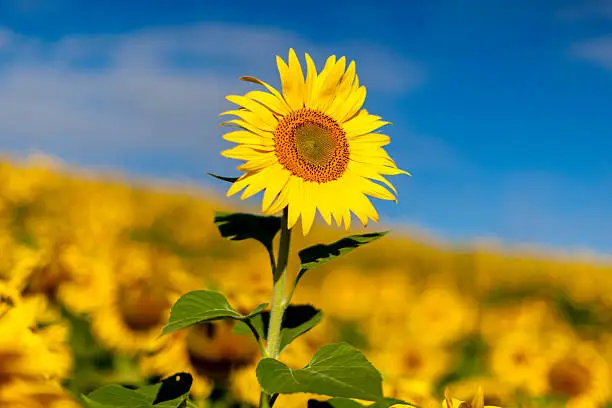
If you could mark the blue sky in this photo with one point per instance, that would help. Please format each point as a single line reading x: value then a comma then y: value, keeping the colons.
x: 502, y: 110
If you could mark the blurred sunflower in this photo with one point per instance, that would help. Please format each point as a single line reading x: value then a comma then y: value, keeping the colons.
x: 411, y: 390
x: 245, y: 281
x: 344, y: 294
x: 442, y: 314
x: 529, y: 315
x: 518, y: 360
x: 311, y: 144
x: 580, y: 374
x: 210, y: 352
x: 144, y: 285
x: 34, y: 354
x: 412, y: 360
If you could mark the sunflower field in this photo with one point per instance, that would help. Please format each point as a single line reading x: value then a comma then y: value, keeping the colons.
x: 90, y: 267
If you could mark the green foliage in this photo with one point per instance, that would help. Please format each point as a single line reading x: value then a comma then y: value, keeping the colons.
x: 320, y: 254
x: 116, y: 396
x: 241, y: 226
x: 228, y: 179
x: 297, y: 320
x: 470, y: 363
x: 201, y: 306
x: 336, y: 370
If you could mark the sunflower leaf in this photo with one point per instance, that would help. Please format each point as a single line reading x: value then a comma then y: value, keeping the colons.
x: 241, y: 226
x: 228, y: 179
x: 336, y: 370
x: 320, y: 254
x: 297, y: 320
x: 349, y: 403
x: 116, y: 396
x: 201, y: 306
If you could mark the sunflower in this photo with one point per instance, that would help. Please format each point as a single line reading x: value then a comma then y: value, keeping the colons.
x: 518, y: 360
x: 312, y: 147
x: 210, y: 352
x: 34, y: 353
x: 413, y: 360
x: 478, y: 400
x: 579, y: 373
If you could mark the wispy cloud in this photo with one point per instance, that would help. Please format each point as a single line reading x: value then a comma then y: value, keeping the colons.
x: 596, y: 50
x: 156, y: 90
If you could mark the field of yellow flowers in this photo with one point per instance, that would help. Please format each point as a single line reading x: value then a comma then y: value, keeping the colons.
x: 89, y: 269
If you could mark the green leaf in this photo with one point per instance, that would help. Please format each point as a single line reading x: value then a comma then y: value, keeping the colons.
x: 201, y: 306
x: 320, y: 254
x: 228, y: 179
x: 336, y: 370
x: 349, y: 403
x: 297, y: 320
x: 167, y: 394
x: 241, y: 226
x: 115, y: 396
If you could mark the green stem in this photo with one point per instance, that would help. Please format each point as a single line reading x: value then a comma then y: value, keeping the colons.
x: 278, y: 295
x: 291, y: 291
x: 264, y: 402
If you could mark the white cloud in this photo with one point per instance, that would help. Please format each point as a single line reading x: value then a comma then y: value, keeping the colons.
x: 158, y: 90
x: 596, y: 50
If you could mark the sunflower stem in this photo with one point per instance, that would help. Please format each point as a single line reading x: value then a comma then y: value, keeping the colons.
x: 278, y: 294
x: 264, y: 402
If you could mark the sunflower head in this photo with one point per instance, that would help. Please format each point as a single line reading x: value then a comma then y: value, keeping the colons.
x: 312, y: 147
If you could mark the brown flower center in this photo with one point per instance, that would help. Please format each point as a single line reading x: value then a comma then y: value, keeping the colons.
x: 569, y: 378
x: 312, y: 146
x: 142, y: 310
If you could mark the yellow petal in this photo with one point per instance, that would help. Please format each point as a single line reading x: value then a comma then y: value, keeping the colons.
x: 363, y: 123
x: 269, y: 101
x: 329, y: 87
x: 375, y: 138
x: 242, y: 152
x: 297, y: 77
x: 319, y: 80
x: 271, y: 89
x: 356, y: 102
x: 258, y: 182
x: 336, y: 208
x: 278, y: 179
x: 253, y: 119
x: 257, y: 163
x: 376, y: 190
x: 324, y: 196
x: 295, y: 200
x: 308, y: 207
x: 363, y: 208
x: 343, y: 92
x: 370, y: 172
x: 259, y: 110
x: 248, y: 126
x: 283, y: 198
x: 243, y: 136
x: 346, y: 218
x: 239, y: 184
x: 292, y: 80
x: 350, y: 106
x: 311, y: 78
x: 478, y: 401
